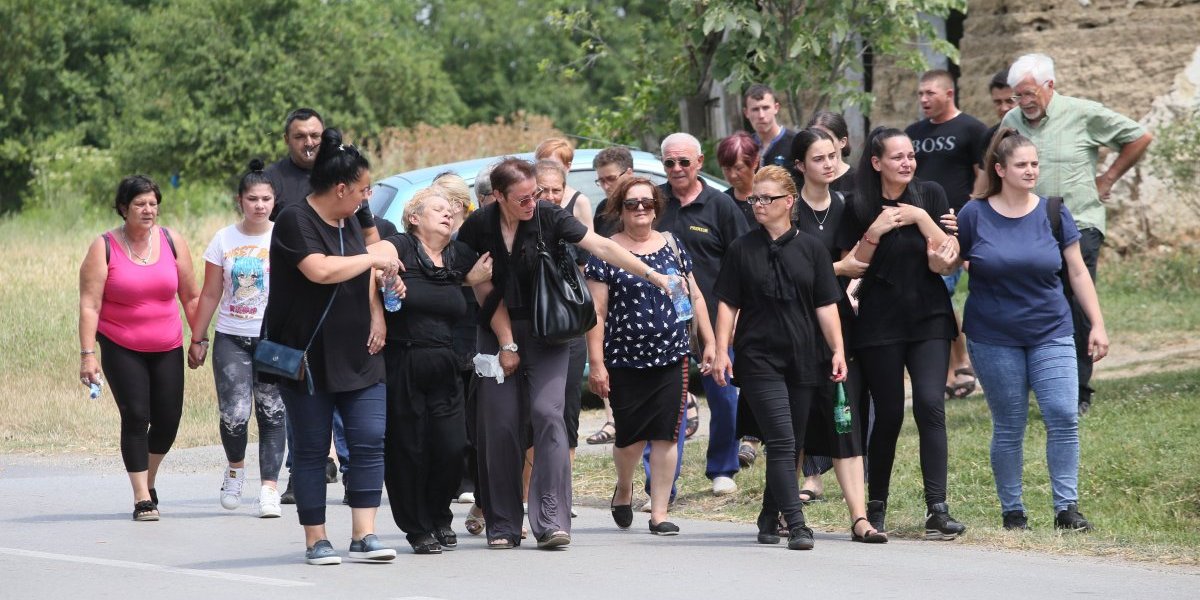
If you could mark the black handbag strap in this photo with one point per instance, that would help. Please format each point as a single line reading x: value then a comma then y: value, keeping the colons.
x: 317, y: 329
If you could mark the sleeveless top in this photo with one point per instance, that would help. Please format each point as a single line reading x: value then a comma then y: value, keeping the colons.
x: 138, y: 310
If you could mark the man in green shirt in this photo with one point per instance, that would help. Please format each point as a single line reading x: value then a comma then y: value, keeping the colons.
x: 1068, y: 133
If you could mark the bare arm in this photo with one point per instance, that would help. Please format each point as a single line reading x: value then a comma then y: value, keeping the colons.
x: 1085, y: 292
x: 613, y: 254
x: 210, y: 295
x: 93, y: 273
x: 583, y: 211
x: 189, y: 290
x: 598, y: 373
x: 322, y: 268
x: 1130, y: 154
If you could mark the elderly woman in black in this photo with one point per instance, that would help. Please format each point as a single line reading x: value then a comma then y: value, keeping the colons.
x: 905, y: 321
x: 533, y: 368
x: 321, y: 290
x: 426, y: 432
x: 778, y: 285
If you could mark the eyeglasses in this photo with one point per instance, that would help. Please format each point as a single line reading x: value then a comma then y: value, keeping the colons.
x: 523, y: 200
x: 1032, y: 95
x: 611, y: 179
x: 764, y: 200
x: 682, y: 162
x: 636, y: 203
x: 368, y: 191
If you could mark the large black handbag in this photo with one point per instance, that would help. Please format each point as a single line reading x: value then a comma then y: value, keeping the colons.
x: 562, y: 304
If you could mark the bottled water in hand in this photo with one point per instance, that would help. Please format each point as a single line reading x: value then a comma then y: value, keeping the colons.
x: 679, y: 296
x: 391, y: 300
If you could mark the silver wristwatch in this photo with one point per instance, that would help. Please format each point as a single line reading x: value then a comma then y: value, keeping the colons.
x: 509, y: 347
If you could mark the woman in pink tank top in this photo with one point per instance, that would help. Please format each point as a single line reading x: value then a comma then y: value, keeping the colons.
x: 128, y: 284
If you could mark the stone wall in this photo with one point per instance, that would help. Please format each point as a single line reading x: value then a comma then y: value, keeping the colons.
x: 1131, y: 55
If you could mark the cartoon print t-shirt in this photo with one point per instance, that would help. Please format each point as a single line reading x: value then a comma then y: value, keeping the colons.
x: 244, y: 262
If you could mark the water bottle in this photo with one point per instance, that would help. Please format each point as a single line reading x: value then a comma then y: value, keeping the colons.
x: 841, y: 411
x: 94, y: 390
x: 391, y: 300
x: 679, y: 296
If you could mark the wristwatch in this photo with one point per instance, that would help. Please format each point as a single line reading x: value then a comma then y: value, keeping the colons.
x: 509, y: 347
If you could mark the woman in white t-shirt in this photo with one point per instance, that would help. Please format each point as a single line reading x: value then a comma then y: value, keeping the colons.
x: 236, y: 274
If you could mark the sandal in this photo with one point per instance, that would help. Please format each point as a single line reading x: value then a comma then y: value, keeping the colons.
x: 963, y: 389
x: 501, y: 544
x: 606, y: 435
x: 692, y: 416
x: 145, y: 511
x: 474, y: 524
x: 812, y: 497
x: 873, y: 536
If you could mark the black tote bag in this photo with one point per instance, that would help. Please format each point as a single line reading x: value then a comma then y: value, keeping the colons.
x: 562, y: 304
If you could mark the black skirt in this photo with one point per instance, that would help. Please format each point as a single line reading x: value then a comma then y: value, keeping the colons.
x: 821, y: 437
x: 647, y: 404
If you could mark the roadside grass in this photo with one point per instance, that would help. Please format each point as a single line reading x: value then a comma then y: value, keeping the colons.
x: 1139, y: 478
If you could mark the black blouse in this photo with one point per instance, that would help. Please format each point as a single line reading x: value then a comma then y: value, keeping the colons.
x: 433, y: 303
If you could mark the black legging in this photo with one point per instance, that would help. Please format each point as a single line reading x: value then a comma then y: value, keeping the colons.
x: 883, y: 370
x: 148, y: 388
x: 781, y: 407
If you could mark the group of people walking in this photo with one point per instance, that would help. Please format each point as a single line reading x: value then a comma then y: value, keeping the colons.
x: 813, y: 286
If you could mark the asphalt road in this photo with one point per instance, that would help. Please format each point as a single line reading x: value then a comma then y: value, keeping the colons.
x: 65, y: 532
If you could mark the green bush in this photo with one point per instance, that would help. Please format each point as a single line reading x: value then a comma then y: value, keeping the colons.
x: 70, y: 179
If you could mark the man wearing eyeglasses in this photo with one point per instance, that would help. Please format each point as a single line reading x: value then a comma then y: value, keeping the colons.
x: 1068, y: 133
x: 706, y: 221
x: 611, y: 164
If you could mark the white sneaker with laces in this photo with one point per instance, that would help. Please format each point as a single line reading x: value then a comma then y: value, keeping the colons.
x: 723, y: 486
x: 231, y: 488
x: 268, y: 503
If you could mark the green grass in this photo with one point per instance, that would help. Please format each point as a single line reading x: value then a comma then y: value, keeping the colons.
x: 1139, y: 478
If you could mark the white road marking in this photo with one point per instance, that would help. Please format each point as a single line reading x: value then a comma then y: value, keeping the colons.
x: 124, y: 564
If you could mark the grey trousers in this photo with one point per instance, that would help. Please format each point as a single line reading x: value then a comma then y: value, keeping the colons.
x: 533, y: 393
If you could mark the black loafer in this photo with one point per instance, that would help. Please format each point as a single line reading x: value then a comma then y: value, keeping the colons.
x: 664, y: 528
x: 800, y: 538
x: 622, y: 514
x: 768, y: 528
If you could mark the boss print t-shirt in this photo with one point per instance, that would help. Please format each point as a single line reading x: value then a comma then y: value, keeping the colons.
x: 947, y: 154
x: 244, y: 261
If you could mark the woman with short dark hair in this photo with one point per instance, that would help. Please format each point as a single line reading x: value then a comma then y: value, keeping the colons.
x: 128, y: 284
x: 321, y: 287
x: 737, y: 155
x: 533, y: 368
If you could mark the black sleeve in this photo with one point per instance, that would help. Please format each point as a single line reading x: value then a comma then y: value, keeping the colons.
x: 826, y: 290
x: 471, y: 232
x: 464, y: 257
x: 365, y: 219
x: 402, y: 244
x: 850, y: 230
x: 732, y: 221
x: 980, y: 139
x: 728, y: 287
x: 297, y: 236
x: 563, y: 224
x: 385, y: 228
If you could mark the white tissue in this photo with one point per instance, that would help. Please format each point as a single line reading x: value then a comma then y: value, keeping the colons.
x: 488, y: 365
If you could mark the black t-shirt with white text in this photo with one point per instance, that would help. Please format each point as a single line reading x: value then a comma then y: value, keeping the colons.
x: 947, y: 154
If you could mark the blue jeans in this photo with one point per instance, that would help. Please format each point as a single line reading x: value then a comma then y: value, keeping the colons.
x: 722, y: 458
x: 1007, y: 374
x: 339, y: 443
x: 364, y: 413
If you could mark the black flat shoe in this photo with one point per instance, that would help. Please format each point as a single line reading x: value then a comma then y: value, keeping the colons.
x: 426, y: 544
x: 664, y: 528
x: 622, y: 514
x: 446, y: 538
x: 801, y: 538
x: 768, y: 528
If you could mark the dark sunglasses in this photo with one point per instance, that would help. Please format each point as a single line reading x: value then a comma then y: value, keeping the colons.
x: 763, y: 200
x: 671, y: 162
x: 636, y: 203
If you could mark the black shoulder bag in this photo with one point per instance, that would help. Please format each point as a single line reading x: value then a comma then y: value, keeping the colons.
x: 562, y: 304
x: 285, y: 361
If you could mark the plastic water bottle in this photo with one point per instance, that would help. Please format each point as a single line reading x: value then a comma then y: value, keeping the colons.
x: 841, y: 411
x: 679, y: 296
x: 391, y: 300
x: 94, y: 389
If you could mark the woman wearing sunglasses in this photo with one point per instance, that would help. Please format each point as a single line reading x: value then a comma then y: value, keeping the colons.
x: 777, y: 285
x: 534, y: 370
x: 426, y: 429
x: 639, y: 350
x: 905, y: 321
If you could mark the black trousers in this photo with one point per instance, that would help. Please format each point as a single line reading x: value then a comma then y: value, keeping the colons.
x: 780, y: 405
x: 883, y: 369
x: 148, y: 388
x: 426, y: 436
x: 1089, y: 246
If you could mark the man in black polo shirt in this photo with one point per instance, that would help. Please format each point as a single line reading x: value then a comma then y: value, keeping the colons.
x: 705, y: 221
x: 949, y: 144
x: 761, y: 108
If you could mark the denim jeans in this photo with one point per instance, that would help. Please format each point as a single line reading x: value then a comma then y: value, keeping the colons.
x: 364, y: 413
x: 1007, y: 374
x: 722, y: 458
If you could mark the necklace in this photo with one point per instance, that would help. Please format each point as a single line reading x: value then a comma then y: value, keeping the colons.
x: 820, y: 221
x: 134, y: 255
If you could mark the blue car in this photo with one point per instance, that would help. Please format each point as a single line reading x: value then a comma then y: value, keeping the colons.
x: 392, y: 193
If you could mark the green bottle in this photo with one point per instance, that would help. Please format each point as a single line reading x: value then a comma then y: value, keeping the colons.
x: 841, y: 411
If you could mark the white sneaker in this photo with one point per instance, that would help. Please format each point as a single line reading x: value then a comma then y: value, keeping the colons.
x: 723, y: 486
x: 574, y: 513
x: 268, y: 503
x: 466, y: 498
x: 231, y: 489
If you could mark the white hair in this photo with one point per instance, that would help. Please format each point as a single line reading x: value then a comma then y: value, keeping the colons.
x: 681, y: 138
x: 1038, y: 66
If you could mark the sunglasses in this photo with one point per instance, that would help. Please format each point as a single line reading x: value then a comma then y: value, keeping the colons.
x: 682, y: 162
x: 764, y: 200
x: 530, y: 198
x: 636, y: 203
